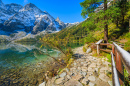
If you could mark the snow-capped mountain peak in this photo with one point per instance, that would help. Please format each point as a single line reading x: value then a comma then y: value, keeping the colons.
x: 31, y: 7
x: 30, y: 19
x: 1, y: 4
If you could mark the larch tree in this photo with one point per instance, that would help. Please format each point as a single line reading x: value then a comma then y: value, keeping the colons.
x: 88, y: 6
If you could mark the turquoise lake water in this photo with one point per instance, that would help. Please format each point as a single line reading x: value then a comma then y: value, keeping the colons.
x: 21, y: 63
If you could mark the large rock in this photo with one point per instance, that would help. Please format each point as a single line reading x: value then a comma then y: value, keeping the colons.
x: 59, y: 81
x: 73, y: 82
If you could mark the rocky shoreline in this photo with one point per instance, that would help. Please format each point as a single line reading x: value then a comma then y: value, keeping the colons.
x: 86, y: 70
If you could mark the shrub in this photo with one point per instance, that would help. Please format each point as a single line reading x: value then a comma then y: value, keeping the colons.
x: 84, y: 49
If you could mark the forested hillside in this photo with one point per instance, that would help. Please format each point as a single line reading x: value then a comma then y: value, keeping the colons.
x: 92, y: 29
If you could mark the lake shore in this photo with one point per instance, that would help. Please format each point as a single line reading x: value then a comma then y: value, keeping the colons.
x: 85, y: 70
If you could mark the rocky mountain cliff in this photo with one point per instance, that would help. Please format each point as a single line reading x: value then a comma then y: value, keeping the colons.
x: 31, y: 19
x: 28, y: 19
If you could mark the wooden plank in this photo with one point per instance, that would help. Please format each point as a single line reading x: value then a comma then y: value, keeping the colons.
x: 105, y: 50
x: 120, y: 69
x: 98, y: 49
x: 106, y: 44
x: 115, y: 78
x: 125, y: 56
x: 99, y: 41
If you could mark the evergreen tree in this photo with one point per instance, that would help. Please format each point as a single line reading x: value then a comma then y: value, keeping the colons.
x: 89, y: 6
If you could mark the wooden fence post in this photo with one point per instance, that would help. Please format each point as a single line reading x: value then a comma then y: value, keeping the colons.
x: 113, y: 51
x: 120, y: 69
x: 98, y: 49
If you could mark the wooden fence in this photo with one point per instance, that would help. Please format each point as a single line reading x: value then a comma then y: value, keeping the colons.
x: 119, y: 59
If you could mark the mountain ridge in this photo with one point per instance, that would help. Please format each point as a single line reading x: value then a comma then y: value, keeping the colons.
x: 29, y: 19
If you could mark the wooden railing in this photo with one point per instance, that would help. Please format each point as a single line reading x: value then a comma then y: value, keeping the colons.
x: 120, y: 57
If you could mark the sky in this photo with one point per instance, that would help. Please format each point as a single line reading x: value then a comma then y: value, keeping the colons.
x: 69, y: 11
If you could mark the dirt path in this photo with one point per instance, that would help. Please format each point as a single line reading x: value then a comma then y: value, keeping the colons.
x: 86, y: 70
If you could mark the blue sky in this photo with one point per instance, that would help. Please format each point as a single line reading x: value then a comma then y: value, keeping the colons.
x: 68, y: 11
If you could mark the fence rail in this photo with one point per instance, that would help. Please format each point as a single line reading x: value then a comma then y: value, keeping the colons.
x: 120, y: 59
x: 115, y: 78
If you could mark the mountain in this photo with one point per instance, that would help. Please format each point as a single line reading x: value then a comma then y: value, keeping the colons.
x: 17, y: 22
x: 14, y: 17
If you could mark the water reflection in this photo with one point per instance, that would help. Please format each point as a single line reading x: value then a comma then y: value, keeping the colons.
x: 24, y: 64
x: 14, y: 55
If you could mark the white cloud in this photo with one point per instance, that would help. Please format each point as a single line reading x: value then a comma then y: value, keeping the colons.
x: 25, y: 1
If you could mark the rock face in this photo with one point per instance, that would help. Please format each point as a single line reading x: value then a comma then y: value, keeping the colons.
x: 14, y: 17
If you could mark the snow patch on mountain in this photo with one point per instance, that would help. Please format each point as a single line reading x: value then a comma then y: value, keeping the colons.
x: 21, y: 22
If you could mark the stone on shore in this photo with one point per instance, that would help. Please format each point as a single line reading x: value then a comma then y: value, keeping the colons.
x: 73, y: 82
x: 59, y: 81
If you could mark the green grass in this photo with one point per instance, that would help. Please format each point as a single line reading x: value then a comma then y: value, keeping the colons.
x: 84, y: 49
x: 126, y: 78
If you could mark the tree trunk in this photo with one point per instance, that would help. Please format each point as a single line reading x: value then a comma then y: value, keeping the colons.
x: 106, y: 26
x: 129, y: 25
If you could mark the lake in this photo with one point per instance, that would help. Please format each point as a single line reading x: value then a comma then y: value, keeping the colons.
x: 26, y: 64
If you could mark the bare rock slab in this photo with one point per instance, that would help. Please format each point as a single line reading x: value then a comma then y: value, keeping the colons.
x: 91, y: 78
x: 73, y: 82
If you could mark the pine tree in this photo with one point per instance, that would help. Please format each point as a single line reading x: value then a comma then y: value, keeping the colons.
x: 89, y: 6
